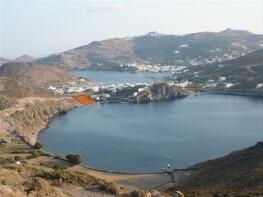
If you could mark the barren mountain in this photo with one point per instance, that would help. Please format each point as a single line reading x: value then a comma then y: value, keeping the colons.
x: 11, y: 89
x: 35, y: 74
x: 24, y: 58
x: 155, y: 48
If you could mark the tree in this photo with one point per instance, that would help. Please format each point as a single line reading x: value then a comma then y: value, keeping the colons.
x: 73, y: 158
x: 38, y: 145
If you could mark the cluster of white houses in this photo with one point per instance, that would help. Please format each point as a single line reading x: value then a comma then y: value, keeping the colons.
x: 149, y: 67
x: 94, y: 88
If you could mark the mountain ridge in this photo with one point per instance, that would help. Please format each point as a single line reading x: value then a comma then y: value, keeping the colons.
x: 155, y: 48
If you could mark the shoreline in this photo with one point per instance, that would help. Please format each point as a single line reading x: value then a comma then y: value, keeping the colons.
x: 189, y: 168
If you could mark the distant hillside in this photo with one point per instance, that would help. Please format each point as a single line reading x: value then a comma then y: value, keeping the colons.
x: 245, y: 73
x: 4, y: 60
x: 37, y: 75
x: 11, y: 89
x: 24, y: 58
x: 239, y: 172
x: 155, y: 48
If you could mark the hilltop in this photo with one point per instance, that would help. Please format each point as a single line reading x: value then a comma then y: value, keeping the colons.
x: 11, y: 89
x: 24, y: 58
x: 36, y: 74
x: 154, y: 48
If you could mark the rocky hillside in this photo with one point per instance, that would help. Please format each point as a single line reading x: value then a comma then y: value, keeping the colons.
x: 30, y: 115
x: 36, y: 74
x: 25, y: 110
x: 240, y: 172
x: 11, y: 89
x: 159, y: 92
x: 155, y: 48
x: 243, y: 74
x: 148, y: 93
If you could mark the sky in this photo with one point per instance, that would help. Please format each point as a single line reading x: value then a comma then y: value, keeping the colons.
x: 39, y: 28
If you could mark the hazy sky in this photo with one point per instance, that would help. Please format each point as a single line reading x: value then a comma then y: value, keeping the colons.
x: 39, y: 28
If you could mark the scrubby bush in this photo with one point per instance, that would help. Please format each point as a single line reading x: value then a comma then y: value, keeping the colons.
x: 59, y: 166
x: 17, y: 158
x: 58, y: 157
x: 38, y: 145
x: 73, y: 158
x: 34, y: 154
x: 5, y: 161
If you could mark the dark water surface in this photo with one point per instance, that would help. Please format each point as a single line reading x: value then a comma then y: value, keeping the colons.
x: 112, y: 77
x: 142, y: 138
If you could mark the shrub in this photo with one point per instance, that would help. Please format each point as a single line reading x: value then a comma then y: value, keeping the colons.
x: 34, y: 154
x: 17, y: 158
x: 5, y: 161
x: 73, y: 159
x: 59, y: 167
x: 38, y: 145
x: 58, y: 157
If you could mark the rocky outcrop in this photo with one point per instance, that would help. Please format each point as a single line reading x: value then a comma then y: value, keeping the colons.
x: 31, y: 115
x: 159, y: 92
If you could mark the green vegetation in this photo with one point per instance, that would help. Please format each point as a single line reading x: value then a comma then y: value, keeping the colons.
x: 34, y: 154
x: 38, y: 145
x: 60, y: 166
x: 74, y: 159
x: 17, y: 158
x: 5, y: 161
x: 14, y: 147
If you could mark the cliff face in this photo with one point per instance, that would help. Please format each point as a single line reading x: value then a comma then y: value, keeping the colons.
x: 30, y: 115
x: 160, y: 92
